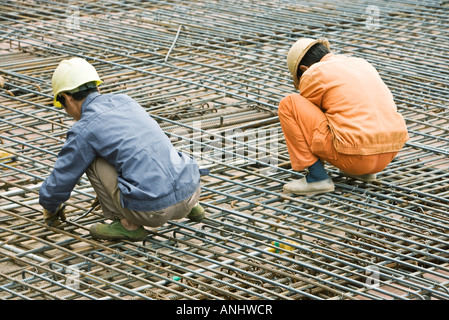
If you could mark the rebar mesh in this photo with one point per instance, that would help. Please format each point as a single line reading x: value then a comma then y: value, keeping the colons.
x: 211, y: 73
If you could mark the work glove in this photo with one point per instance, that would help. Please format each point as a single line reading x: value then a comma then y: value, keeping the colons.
x: 53, y: 219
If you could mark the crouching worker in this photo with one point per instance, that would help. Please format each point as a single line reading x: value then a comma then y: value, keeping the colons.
x: 138, y: 176
x: 343, y: 114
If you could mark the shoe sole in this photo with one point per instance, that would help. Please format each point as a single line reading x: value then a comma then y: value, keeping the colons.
x: 309, y: 193
x: 98, y: 236
x: 360, y: 178
x: 197, y: 217
x: 112, y: 238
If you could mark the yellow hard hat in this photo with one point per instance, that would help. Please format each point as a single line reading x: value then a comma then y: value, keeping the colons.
x: 71, y: 75
x: 297, y: 52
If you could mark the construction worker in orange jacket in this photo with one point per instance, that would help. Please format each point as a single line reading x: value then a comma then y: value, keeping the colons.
x: 344, y: 114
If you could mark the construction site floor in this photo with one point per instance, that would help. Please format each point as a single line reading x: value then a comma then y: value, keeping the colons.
x: 212, y: 73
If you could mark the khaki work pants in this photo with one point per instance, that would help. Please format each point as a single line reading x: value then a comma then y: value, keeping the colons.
x: 103, y: 178
x: 308, y: 138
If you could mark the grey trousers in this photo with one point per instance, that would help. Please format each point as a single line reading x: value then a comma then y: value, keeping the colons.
x: 103, y: 179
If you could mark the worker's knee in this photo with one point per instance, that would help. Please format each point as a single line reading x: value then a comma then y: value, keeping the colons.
x: 295, y: 102
x: 286, y: 103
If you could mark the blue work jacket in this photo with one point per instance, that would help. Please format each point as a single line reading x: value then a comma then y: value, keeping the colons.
x: 152, y: 174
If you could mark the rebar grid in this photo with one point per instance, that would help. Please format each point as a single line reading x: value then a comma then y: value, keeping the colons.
x: 211, y: 73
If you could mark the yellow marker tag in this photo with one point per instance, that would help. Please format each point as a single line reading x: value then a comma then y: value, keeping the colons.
x: 286, y: 247
x: 7, y: 157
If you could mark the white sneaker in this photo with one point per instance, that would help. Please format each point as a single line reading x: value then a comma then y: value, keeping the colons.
x: 302, y: 187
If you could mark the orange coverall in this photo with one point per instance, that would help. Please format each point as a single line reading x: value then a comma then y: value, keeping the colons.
x: 345, y: 115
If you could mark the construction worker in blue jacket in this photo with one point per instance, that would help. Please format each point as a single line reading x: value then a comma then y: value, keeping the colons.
x: 139, y: 177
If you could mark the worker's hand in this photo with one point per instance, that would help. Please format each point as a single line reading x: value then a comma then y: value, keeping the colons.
x: 53, y: 219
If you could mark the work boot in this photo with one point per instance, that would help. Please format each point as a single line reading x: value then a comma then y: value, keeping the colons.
x: 116, y: 231
x: 302, y: 187
x: 197, y: 213
x: 370, y: 177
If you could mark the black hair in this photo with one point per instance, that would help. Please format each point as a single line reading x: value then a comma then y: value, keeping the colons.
x: 313, y: 55
x: 79, y: 95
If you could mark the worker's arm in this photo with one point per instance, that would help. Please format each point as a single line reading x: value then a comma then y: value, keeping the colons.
x: 312, y: 89
x: 74, y: 158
